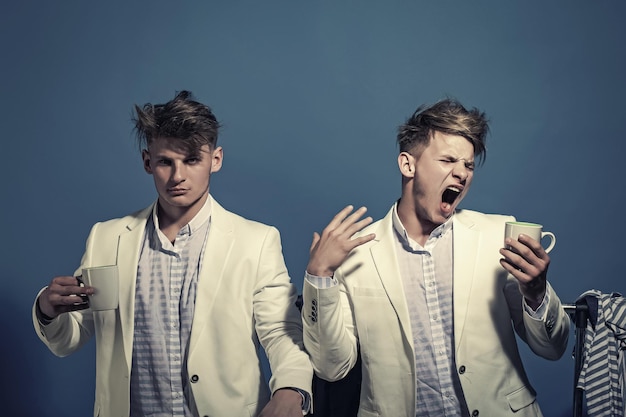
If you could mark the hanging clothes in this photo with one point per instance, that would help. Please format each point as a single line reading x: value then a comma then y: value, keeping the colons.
x: 602, y: 373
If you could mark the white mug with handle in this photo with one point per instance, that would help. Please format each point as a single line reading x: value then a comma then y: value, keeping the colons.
x: 104, y: 279
x: 534, y: 230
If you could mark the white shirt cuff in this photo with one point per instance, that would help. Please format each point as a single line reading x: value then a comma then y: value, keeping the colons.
x: 540, y: 313
x: 320, y: 282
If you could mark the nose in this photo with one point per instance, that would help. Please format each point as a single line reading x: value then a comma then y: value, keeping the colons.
x: 178, y: 172
x: 461, y: 171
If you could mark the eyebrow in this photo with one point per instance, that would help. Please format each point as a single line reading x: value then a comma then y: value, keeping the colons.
x: 195, y: 154
x: 456, y: 158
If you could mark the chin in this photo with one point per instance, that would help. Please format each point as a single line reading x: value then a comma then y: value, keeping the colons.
x: 178, y: 202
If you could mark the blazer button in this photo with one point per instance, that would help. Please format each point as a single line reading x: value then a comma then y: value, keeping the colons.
x: 194, y: 378
x: 475, y: 413
x: 314, y: 302
x: 462, y: 369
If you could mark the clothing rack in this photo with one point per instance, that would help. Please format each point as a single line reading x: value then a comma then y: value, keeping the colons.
x: 579, y: 313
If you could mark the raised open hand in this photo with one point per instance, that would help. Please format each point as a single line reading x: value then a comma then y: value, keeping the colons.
x: 330, y: 249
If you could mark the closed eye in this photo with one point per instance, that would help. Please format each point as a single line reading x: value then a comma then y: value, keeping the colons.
x: 468, y: 165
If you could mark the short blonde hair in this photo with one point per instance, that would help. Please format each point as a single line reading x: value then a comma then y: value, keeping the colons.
x: 446, y: 116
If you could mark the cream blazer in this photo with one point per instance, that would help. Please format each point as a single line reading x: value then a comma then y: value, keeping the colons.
x: 244, y: 300
x: 367, y: 312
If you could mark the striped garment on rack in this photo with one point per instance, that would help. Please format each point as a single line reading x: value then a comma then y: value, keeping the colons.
x: 602, y: 373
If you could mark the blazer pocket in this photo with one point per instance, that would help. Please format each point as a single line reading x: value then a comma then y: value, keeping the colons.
x: 369, y: 292
x: 521, y: 397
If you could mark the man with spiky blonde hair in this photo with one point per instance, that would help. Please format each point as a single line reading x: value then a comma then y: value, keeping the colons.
x: 428, y: 297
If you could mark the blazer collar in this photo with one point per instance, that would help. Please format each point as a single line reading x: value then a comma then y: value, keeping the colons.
x: 129, y: 246
x: 218, y: 249
x: 383, y: 253
x: 465, y: 246
x: 465, y: 249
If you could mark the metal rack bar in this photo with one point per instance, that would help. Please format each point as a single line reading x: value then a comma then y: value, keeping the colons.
x: 579, y: 313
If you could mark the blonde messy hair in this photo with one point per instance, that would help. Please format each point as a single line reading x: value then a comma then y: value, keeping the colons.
x: 446, y: 116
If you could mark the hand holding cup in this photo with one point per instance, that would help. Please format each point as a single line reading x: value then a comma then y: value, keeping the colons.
x: 104, y: 280
x: 527, y: 259
x: 514, y: 229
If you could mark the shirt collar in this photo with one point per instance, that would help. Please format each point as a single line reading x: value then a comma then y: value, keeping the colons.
x: 439, y: 231
x: 194, y: 224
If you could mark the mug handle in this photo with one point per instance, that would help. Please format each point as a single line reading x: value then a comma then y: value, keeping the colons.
x: 552, y: 240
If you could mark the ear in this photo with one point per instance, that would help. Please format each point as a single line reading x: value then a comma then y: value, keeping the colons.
x: 217, y: 157
x: 145, y: 155
x: 406, y: 163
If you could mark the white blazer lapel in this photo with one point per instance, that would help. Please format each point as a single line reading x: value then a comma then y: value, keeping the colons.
x: 384, y: 256
x: 128, y: 248
x: 465, y: 250
x: 217, y: 251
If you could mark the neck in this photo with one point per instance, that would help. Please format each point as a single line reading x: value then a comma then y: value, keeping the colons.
x: 173, y: 218
x: 417, y: 228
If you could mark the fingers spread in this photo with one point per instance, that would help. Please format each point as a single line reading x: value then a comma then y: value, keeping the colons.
x: 339, y: 218
x: 332, y: 248
x: 316, y: 238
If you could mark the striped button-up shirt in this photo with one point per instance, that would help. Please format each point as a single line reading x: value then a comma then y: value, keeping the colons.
x: 165, y: 297
x: 426, y: 274
x: 602, y: 375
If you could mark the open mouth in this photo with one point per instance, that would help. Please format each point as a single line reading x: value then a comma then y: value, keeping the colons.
x: 450, y: 195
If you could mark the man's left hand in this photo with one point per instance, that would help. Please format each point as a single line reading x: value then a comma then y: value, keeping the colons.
x: 528, y: 262
x: 284, y: 403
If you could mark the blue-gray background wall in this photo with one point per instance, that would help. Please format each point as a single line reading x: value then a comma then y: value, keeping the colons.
x: 310, y: 95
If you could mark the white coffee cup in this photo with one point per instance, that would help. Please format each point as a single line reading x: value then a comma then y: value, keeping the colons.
x: 534, y: 230
x: 105, y: 282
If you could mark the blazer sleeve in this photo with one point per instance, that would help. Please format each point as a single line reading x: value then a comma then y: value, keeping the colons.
x: 547, y: 338
x: 68, y: 332
x: 277, y: 319
x: 329, y: 330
